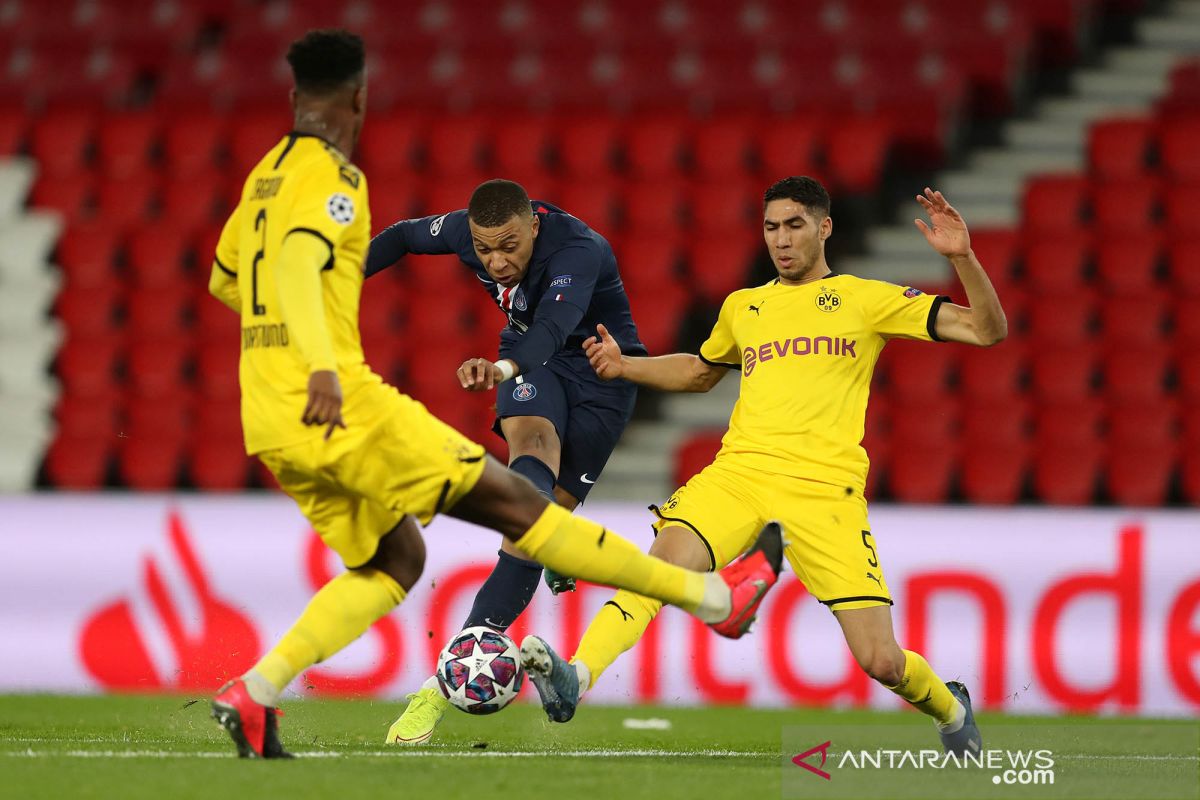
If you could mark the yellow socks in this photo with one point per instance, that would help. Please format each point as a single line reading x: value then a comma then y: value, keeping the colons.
x: 583, y: 549
x: 337, y: 615
x: 617, y: 626
x: 925, y: 691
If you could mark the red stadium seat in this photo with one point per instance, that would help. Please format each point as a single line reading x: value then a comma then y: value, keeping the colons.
x: 922, y: 470
x: 1066, y: 476
x: 157, y: 256
x: 695, y: 453
x: 458, y: 145
x: 1186, y: 318
x: 999, y: 419
x: 1065, y: 318
x: 1138, y: 473
x: 1127, y: 204
x: 992, y: 372
x: 1135, y: 373
x: 938, y: 416
x: 1057, y: 261
x: 1118, y: 147
x: 253, y: 137
x: 87, y: 366
x: 994, y: 473
x: 656, y: 146
x: 156, y: 367
x: 918, y: 369
x: 150, y: 464
x: 659, y: 317
x: 14, y: 122
x: 60, y: 140
x: 722, y: 148
x: 193, y: 141
x: 522, y: 148
x: 595, y: 202
x: 733, y: 203
x: 1177, y: 148
x: 996, y: 249
x: 791, y: 145
x: 392, y: 144
x: 72, y: 195
x: 720, y: 263
x: 1187, y: 377
x: 218, y: 464
x: 192, y: 201
x: 588, y: 144
x: 1064, y: 373
x: 78, y: 462
x: 857, y: 152
x: 1128, y: 261
x: 153, y: 418
x: 84, y: 417
x: 648, y: 261
x: 217, y: 370
x: 127, y: 201
x: 1150, y: 420
x: 1189, y: 475
x: 88, y: 255
x: 1067, y: 423
x: 1054, y: 202
x: 159, y: 312
x: 1138, y: 319
x: 1179, y: 209
x: 1183, y: 260
x: 88, y: 311
x: 654, y: 205
x: 126, y: 141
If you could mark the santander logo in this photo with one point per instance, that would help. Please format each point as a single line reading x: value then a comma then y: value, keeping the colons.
x: 114, y: 649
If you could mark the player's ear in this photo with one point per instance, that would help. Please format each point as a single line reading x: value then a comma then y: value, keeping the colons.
x: 292, y: 99
x: 536, y: 225
x: 359, y: 101
x: 826, y: 228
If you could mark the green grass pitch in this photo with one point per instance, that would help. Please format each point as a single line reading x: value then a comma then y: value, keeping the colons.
x: 156, y: 746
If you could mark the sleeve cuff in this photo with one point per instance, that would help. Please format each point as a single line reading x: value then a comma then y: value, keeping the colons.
x: 931, y: 321
x: 724, y: 364
x: 224, y: 268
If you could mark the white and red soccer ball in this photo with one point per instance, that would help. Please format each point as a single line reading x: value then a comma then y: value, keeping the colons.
x: 479, y: 671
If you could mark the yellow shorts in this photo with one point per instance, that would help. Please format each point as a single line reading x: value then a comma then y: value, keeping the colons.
x: 829, y: 542
x: 356, y: 486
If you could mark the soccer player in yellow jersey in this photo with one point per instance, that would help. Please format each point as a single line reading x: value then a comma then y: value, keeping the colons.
x: 805, y: 345
x: 364, y: 462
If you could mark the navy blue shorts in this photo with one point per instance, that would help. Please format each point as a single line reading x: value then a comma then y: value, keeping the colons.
x: 589, y: 414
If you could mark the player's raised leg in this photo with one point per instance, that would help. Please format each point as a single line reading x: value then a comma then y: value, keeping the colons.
x: 869, y: 634
x: 338, y: 614
x: 617, y: 627
x: 534, y: 448
x: 577, y: 546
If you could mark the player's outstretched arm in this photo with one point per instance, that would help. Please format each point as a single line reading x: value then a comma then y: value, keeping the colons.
x: 423, y: 236
x: 982, y: 321
x: 678, y: 372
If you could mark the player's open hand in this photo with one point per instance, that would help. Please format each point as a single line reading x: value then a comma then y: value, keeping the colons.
x: 324, y: 401
x: 604, y: 353
x: 946, y: 231
x: 478, y: 375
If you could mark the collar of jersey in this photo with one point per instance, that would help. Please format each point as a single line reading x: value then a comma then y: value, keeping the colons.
x: 306, y: 135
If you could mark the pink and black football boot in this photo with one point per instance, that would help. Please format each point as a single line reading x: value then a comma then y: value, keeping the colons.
x: 253, y: 727
x: 749, y: 578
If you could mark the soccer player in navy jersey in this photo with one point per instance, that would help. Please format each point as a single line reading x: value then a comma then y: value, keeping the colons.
x: 555, y: 279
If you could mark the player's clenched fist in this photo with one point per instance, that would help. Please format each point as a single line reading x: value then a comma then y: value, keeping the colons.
x: 604, y: 353
x: 324, y: 405
x: 478, y: 375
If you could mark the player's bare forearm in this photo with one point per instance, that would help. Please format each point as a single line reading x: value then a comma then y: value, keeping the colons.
x: 982, y: 322
x: 678, y: 372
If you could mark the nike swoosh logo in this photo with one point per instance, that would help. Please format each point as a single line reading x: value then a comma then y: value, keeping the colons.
x: 584, y: 478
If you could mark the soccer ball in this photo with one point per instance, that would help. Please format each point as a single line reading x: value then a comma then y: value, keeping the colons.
x: 480, y: 671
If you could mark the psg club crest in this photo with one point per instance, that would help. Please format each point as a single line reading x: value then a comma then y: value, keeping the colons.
x: 524, y: 391
x: 519, y: 300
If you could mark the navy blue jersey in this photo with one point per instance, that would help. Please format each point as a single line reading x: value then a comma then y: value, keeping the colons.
x: 571, y: 286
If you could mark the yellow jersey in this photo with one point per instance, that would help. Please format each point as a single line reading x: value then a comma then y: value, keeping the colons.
x: 806, y: 354
x: 302, y: 186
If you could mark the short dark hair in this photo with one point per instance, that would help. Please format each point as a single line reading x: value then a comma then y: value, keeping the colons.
x: 495, y: 202
x: 323, y: 61
x: 804, y: 190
